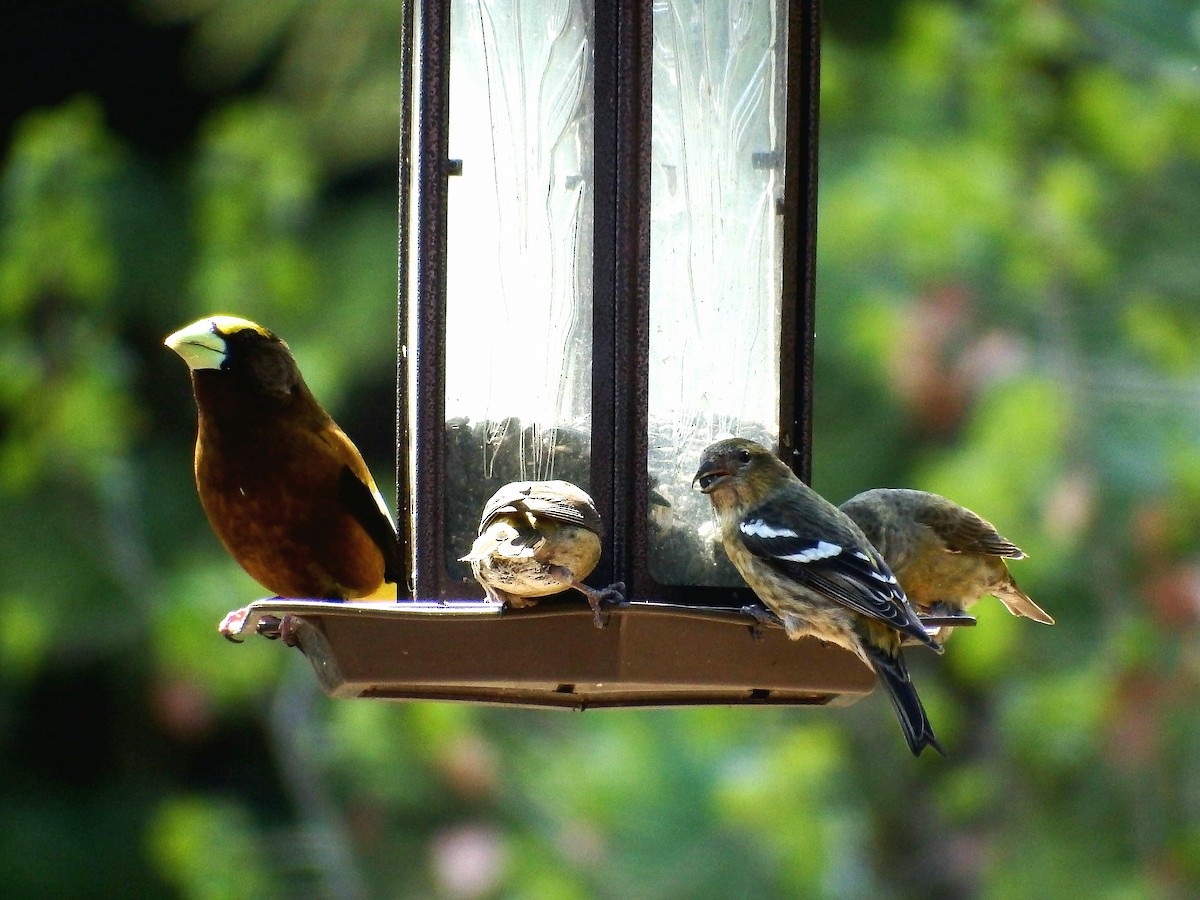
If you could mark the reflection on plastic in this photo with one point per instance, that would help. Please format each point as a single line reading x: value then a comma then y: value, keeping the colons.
x: 715, y: 259
x: 519, y: 279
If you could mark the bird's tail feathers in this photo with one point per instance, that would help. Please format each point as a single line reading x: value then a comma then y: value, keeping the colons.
x: 485, y: 545
x: 1019, y: 604
x: 913, y: 722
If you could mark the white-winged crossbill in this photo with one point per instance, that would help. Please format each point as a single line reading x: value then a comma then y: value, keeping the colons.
x: 813, y: 567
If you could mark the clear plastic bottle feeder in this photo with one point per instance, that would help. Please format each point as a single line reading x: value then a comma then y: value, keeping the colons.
x: 607, y: 220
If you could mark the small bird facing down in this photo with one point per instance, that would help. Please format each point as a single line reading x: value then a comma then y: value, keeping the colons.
x: 284, y: 489
x: 538, y: 538
x: 813, y: 567
x: 945, y: 556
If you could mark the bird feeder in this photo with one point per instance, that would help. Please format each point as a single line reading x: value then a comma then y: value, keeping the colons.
x: 607, y: 228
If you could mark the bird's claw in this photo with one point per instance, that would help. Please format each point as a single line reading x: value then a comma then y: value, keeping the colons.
x: 269, y: 627
x: 233, y: 627
x: 614, y: 593
x: 275, y: 629
x: 762, y: 617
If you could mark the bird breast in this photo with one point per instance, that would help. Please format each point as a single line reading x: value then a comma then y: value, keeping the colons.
x: 530, y: 563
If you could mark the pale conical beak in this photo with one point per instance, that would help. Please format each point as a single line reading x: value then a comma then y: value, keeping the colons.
x: 200, y: 345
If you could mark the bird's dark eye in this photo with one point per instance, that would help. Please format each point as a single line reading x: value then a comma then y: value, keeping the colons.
x: 743, y: 455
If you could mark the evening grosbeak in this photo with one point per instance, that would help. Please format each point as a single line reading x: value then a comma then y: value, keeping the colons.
x: 283, y: 487
x: 538, y: 538
x: 813, y: 567
x: 945, y: 556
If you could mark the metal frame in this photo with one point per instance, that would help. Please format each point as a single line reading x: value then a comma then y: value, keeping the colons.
x: 672, y: 645
x: 621, y: 273
x: 420, y: 391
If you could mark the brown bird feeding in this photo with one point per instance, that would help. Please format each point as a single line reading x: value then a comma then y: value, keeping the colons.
x: 945, y: 556
x: 538, y: 538
x: 284, y: 489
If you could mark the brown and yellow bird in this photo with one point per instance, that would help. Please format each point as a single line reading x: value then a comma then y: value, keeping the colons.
x: 284, y: 489
x: 814, y: 568
x: 945, y: 556
x: 538, y: 538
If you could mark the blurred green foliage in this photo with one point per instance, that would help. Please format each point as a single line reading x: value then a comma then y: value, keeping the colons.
x: 1007, y: 315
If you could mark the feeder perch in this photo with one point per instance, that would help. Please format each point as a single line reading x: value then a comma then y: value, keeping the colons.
x: 648, y: 654
x: 554, y: 656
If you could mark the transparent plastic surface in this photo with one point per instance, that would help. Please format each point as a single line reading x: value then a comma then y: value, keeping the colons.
x: 519, y: 267
x: 719, y: 86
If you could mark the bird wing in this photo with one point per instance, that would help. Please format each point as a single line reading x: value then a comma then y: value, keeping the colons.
x: 558, y: 500
x: 875, y: 524
x: 963, y: 531
x: 358, y: 493
x: 840, y: 569
x: 363, y: 501
x: 509, y: 537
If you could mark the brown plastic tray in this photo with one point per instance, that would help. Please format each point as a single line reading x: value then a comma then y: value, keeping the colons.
x: 552, y: 655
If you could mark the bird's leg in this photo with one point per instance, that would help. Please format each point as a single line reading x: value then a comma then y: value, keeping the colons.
x: 499, y: 597
x: 941, y: 617
x: 596, y: 598
x: 270, y: 627
x: 274, y: 629
x: 233, y: 627
x: 942, y: 608
x: 762, y: 617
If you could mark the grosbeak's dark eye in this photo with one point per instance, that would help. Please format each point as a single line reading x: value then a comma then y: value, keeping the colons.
x: 743, y: 455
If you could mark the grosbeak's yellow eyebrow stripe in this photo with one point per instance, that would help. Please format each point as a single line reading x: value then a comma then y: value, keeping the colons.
x: 222, y: 324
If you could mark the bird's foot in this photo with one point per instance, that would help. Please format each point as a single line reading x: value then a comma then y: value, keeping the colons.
x: 762, y: 617
x: 940, y: 619
x: 614, y: 593
x: 275, y: 629
x: 941, y: 609
x: 270, y: 627
x: 233, y: 627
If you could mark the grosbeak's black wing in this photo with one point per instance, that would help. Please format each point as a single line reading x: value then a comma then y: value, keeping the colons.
x: 837, y: 565
x: 364, y: 505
